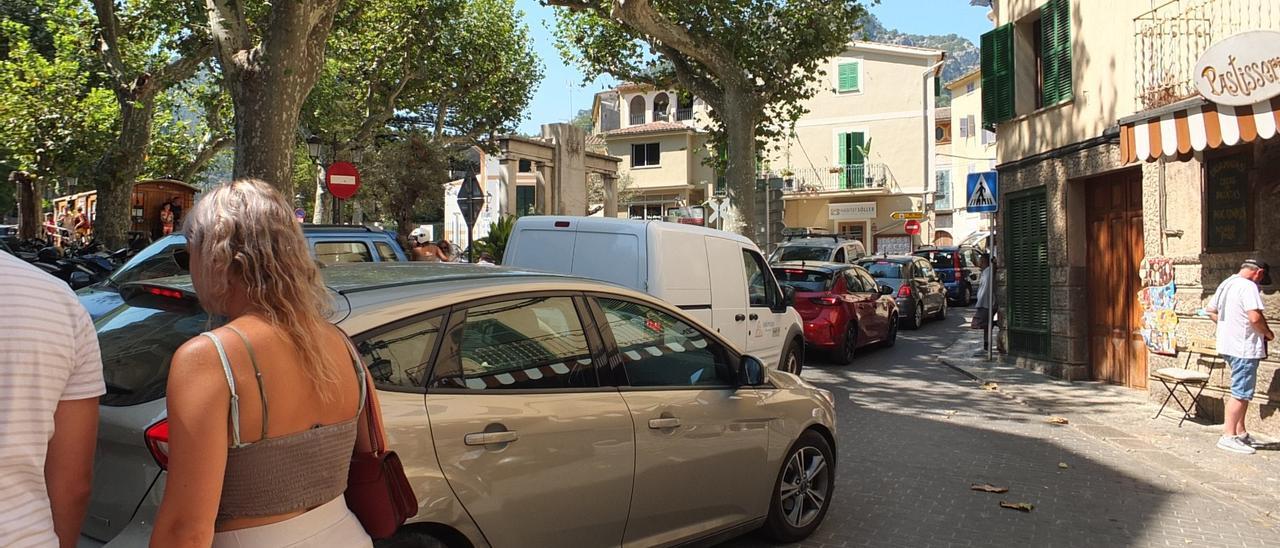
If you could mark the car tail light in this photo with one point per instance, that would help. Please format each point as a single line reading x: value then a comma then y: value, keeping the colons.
x: 562, y: 224
x: 157, y: 437
x: 904, y: 291
x: 162, y: 292
x: 825, y: 301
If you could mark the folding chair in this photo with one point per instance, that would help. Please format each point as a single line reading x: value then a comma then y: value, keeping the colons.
x: 1188, y: 376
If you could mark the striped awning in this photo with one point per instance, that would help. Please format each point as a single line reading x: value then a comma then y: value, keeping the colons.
x: 1195, y: 125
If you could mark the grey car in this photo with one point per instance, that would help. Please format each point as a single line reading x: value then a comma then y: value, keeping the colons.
x: 829, y: 248
x: 915, y: 285
x: 529, y: 409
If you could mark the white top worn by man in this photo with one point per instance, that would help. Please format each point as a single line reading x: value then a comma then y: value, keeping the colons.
x: 1242, y: 342
x: 50, y: 380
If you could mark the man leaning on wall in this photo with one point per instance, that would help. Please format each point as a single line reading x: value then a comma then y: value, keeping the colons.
x: 1242, y: 339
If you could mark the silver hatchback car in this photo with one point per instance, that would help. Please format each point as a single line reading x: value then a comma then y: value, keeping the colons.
x: 528, y: 409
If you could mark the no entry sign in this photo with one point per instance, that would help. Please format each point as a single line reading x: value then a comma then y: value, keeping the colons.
x: 342, y: 179
x: 912, y: 227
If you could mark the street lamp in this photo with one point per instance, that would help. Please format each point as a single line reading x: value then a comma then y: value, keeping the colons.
x: 315, y: 148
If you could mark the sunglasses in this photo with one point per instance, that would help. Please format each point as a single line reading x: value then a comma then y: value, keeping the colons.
x: 183, y: 258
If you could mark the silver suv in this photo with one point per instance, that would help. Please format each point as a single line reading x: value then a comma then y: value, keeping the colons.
x: 829, y: 248
x: 528, y: 409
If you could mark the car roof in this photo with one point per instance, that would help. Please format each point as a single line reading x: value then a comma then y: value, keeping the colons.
x: 823, y: 266
x: 891, y: 258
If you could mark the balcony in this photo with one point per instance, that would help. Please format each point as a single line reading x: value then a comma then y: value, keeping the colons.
x: 848, y: 178
x: 683, y: 114
x: 1170, y: 38
x: 637, y: 118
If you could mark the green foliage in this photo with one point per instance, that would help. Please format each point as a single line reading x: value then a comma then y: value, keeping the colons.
x: 403, y: 179
x: 52, y: 120
x: 583, y: 121
x: 495, y: 244
x: 766, y: 53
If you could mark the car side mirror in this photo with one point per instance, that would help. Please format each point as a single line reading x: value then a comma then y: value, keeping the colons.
x: 788, y: 295
x: 752, y: 372
x: 886, y: 290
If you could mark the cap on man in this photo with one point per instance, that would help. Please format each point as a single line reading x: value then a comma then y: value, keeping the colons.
x: 1242, y: 338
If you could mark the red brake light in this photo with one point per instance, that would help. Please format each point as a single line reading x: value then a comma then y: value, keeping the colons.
x: 904, y: 291
x: 162, y: 292
x: 825, y: 301
x: 157, y: 438
x: 562, y: 224
x: 790, y: 271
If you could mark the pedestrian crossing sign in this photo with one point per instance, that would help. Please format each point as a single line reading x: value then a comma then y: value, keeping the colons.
x: 983, y: 192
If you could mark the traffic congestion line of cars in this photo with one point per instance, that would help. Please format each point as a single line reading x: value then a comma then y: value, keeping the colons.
x: 648, y: 392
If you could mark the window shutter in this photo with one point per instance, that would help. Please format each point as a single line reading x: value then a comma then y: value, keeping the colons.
x: 997, y: 75
x: 856, y: 140
x: 842, y: 147
x: 848, y: 76
x: 1028, y: 269
x: 964, y: 128
x: 1055, y: 40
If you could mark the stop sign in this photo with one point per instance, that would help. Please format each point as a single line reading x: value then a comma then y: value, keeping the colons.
x: 912, y: 227
x: 342, y: 179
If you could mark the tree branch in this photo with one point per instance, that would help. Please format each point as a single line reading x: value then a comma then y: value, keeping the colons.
x: 206, y: 154
x: 229, y: 30
x: 687, y: 75
x: 378, y: 117
x: 183, y: 67
x: 109, y: 40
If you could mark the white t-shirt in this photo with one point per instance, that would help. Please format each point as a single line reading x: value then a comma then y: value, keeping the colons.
x: 48, y: 353
x: 1234, y: 299
x: 984, y: 288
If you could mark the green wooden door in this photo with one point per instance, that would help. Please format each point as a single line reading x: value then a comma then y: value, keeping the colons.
x: 1027, y: 245
x: 852, y: 162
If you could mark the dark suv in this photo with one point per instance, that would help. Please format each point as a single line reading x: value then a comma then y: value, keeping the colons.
x: 957, y: 266
x: 330, y: 244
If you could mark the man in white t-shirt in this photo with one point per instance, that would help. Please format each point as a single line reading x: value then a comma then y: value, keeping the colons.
x: 1242, y: 341
x: 50, y: 380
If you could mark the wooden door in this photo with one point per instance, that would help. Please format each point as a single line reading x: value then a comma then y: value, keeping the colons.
x: 1117, y: 352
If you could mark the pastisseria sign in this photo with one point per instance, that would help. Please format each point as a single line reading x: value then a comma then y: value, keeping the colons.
x: 1240, y: 70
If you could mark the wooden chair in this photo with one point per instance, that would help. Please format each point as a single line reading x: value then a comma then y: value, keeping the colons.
x: 1188, y: 376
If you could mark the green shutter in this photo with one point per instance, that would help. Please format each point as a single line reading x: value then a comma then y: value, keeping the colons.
x: 997, y: 75
x: 857, y: 175
x: 1027, y: 242
x: 842, y: 147
x: 848, y: 76
x: 1055, y: 51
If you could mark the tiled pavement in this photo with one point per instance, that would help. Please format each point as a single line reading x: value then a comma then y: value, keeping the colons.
x: 915, y: 434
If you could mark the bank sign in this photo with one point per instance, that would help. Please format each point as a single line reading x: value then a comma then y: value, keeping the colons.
x: 857, y: 211
x: 1240, y: 70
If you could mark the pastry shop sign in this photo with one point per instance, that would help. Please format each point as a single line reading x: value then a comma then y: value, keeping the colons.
x: 1240, y: 70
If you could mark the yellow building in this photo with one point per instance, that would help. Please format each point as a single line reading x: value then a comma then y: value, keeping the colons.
x: 969, y: 148
x: 865, y: 149
x: 1122, y: 169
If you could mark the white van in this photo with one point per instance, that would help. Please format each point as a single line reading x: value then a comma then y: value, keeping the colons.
x: 718, y: 277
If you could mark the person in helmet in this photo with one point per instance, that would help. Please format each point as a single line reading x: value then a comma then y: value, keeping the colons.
x: 424, y: 249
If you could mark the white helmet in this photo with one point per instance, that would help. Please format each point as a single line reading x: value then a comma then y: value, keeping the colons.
x: 419, y: 236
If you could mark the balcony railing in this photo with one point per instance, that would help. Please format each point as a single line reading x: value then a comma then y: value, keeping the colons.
x: 1169, y: 39
x: 683, y: 114
x: 851, y: 177
x: 637, y: 118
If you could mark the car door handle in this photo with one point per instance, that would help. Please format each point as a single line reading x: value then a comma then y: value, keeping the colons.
x: 665, y: 422
x: 740, y: 318
x: 754, y: 317
x: 490, y: 438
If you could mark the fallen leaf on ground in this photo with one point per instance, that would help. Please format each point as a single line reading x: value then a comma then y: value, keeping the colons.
x: 990, y: 386
x: 988, y: 488
x: 1063, y: 465
x: 1056, y: 420
x: 1022, y: 506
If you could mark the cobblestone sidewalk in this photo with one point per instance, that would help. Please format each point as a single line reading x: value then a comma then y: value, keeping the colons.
x: 1122, y: 417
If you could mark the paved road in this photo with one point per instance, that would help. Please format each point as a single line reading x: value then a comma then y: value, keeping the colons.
x: 914, y: 435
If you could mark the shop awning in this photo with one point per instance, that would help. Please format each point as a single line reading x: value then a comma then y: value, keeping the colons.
x: 1195, y: 125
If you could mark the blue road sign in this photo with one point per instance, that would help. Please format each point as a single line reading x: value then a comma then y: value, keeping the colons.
x: 983, y: 193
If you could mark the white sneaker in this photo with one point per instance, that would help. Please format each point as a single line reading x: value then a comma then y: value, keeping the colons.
x: 1235, y: 445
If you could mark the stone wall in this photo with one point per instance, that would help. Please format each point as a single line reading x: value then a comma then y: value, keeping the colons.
x: 1198, y: 274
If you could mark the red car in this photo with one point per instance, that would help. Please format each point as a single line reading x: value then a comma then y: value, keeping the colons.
x: 842, y: 306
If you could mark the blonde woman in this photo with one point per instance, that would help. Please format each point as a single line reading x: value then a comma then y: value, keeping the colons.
x: 262, y: 411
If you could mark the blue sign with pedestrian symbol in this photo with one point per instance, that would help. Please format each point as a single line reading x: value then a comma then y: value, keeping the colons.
x: 983, y: 195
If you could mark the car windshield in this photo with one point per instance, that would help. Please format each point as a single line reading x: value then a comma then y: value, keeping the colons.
x: 883, y: 269
x: 801, y: 253
x: 803, y: 280
x: 940, y: 259
x: 155, y: 261
x: 137, y: 344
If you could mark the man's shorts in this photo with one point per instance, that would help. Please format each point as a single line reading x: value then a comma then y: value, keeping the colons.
x: 1244, y: 376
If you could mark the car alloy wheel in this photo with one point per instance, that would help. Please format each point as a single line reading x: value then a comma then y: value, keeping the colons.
x: 792, y: 363
x: 942, y: 312
x: 893, y: 331
x: 849, y: 346
x: 965, y: 296
x: 918, y: 321
x: 804, y: 488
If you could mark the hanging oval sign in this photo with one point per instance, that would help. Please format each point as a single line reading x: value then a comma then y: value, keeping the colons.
x: 1240, y: 70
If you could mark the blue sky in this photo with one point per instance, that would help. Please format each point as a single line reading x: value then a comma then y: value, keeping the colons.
x: 561, y: 94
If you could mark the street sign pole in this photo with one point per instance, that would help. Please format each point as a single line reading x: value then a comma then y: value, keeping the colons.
x: 471, y: 202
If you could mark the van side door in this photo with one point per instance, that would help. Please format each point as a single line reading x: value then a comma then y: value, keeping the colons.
x: 766, y: 315
x: 728, y: 290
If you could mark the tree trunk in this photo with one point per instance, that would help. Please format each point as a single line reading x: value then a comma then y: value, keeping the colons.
x: 266, y: 125
x: 29, y: 218
x: 740, y: 145
x: 117, y: 171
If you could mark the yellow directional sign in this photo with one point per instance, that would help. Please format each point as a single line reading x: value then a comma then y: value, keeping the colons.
x: 907, y: 215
